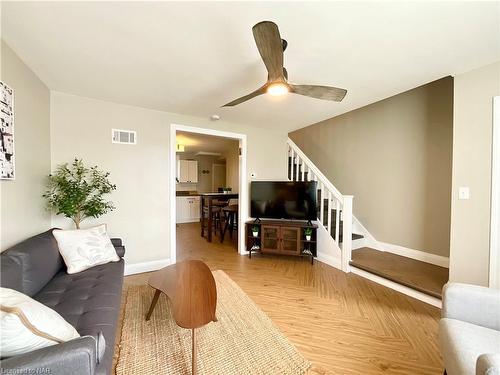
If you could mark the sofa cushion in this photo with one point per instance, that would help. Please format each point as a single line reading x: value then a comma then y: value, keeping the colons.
x: 28, y: 325
x: 90, y: 301
x: 462, y: 343
x: 120, y: 249
x: 82, y: 249
x: 11, y: 272
x: 28, y: 266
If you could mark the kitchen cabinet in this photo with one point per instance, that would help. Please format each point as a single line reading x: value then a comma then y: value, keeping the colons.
x: 187, y: 209
x: 187, y: 171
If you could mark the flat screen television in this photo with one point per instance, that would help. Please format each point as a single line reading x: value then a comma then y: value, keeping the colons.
x: 283, y: 200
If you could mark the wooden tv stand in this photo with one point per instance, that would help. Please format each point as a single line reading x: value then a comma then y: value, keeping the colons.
x: 281, y: 237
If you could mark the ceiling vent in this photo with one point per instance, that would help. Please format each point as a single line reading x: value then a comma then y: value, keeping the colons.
x: 123, y: 136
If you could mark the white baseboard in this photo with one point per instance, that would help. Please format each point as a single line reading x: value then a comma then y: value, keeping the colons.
x: 398, y: 287
x: 370, y: 241
x: 188, y: 221
x: 330, y: 260
x: 132, y: 269
x: 437, y: 260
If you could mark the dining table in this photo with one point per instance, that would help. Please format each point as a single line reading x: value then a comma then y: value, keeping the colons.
x: 208, y: 200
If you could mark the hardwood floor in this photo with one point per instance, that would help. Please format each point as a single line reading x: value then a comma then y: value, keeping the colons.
x: 424, y: 277
x: 342, y: 323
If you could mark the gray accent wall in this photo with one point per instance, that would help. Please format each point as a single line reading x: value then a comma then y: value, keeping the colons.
x: 395, y: 157
x: 22, y: 209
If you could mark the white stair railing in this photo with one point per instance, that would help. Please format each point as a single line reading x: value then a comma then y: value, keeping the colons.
x: 301, y: 168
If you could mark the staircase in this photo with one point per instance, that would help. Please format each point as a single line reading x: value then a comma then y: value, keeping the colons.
x: 344, y: 249
x: 293, y: 175
x: 334, y: 209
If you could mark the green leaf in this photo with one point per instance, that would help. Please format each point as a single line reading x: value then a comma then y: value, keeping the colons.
x: 77, y: 192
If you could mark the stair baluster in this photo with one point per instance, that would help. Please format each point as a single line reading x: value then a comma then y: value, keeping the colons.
x: 346, y: 232
x: 296, y: 168
x: 337, y: 220
x: 322, y: 204
x: 329, y: 208
x: 290, y: 159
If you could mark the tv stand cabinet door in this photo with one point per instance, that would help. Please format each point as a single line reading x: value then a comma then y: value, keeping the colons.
x: 290, y: 240
x: 270, y: 239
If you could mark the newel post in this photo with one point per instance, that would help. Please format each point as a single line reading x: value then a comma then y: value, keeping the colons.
x: 346, y: 232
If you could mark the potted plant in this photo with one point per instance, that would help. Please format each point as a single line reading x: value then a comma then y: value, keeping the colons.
x: 255, y: 231
x: 308, y: 233
x: 77, y: 192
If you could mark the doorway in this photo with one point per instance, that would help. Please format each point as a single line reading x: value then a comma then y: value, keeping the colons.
x: 494, y: 279
x: 238, y: 179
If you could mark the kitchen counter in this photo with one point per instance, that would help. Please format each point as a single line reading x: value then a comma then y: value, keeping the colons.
x: 231, y: 195
x: 186, y: 193
x: 195, y: 193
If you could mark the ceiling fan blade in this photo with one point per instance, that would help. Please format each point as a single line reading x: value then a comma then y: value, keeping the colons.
x: 270, y: 46
x: 319, y: 92
x: 259, y: 91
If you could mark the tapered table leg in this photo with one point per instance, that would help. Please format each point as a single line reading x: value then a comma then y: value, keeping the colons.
x: 193, y: 349
x: 153, y: 304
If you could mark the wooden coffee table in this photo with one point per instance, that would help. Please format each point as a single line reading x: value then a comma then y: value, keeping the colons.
x: 190, y: 286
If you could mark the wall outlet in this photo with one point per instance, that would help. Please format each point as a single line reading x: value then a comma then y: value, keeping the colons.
x: 463, y: 193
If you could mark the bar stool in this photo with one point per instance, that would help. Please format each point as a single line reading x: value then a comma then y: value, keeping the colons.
x: 216, y: 217
x: 230, y: 213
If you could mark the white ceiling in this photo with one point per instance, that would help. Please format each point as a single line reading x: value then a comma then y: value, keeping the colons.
x: 192, y: 58
x: 195, y: 142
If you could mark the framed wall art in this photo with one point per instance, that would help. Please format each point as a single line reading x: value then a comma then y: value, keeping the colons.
x: 7, y: 158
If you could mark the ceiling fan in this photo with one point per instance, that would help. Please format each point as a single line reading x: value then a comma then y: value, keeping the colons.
x: 271, y: 48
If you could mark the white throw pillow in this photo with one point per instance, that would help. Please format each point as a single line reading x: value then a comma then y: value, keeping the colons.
x: 27, y: 325
x: 82, y: 249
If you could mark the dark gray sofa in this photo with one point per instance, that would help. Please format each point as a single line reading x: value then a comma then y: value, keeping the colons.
x: 89, y: 300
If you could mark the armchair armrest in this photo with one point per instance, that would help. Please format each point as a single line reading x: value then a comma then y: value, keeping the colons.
x: 120, y: 249
x: 78, y: 356
x: 488, y: 364
x: 473, y: 304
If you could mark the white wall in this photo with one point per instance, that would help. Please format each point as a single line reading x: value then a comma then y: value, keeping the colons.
x: 472, y: 142
x: 81, y: 127
x: 23, y: 212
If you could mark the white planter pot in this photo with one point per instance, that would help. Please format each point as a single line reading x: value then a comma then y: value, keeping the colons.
x: 255, y: 234
x: 308, y: 238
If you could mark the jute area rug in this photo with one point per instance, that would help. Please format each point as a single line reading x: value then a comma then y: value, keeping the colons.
x: 243, y: 340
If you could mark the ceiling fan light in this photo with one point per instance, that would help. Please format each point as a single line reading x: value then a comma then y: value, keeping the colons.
x: 277, y: 89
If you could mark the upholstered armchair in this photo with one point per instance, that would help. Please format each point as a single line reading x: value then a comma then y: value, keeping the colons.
x: 470, y: 330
